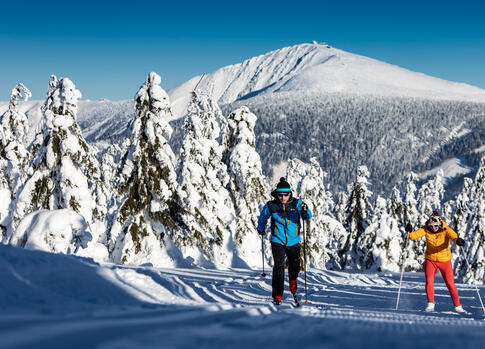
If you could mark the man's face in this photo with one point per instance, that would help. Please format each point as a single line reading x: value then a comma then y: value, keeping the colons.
x: 284, y: 197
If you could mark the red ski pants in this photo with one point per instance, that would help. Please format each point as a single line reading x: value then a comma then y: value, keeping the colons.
x: 446, y: 271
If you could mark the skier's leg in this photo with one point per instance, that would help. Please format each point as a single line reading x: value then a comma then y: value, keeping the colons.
x: 278, y: 268
x: 446, y: 270
x: 430, y: 272
x: 293, y: 253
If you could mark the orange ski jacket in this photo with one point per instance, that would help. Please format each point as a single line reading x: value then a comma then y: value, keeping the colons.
x: 437, y: 244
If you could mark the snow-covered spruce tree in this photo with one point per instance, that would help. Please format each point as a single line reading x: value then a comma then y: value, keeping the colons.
x: 203, y: 179
x: 396, y: 206
x: 14, y: 156
x: 110, y: 159
x: 447, y: 211
x: 14, y: 129
x: 414, y: 250
x: 357, y: 215
x: 383, y: 239
x: 246, y: 184
x: 474, y: 249
x: 64, y: 171
x: 143, y: 228
x: 411, y: 214
x: 462, y: 207
x: 340, y: 206
x: 458, y: 220
x: 430, y: 196
x: 307, y: 181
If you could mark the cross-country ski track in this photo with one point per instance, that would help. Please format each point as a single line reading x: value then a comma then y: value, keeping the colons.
x: 58, y: 301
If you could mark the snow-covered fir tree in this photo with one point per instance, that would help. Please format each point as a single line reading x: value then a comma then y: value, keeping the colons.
x: 14, y: 128
x: 64, y: 173
x: 414, y: 250
x: 307, y: 182
x: 462, y: 207
x: 147, y: 220
x: 396, y: 206
x: 411, y: 214
x: 357, y: 216
x: 203, y: 179
x: 246, y: 182
x: 340, y: 206
x: 111, y: 157
x: 14, y: 156
x: 430, y: 196
x: 447, y: 211
x: 474, y: 249
x: 383, y: 239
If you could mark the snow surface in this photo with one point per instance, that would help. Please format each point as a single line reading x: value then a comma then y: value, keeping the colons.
x: 451, y: 167
x: 63, y: 301
x: 52, y: 230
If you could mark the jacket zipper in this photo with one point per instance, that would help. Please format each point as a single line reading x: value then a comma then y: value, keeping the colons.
x: 286, y: 225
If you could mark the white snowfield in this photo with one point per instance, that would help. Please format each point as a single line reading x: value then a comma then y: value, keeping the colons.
x: 63, y: 301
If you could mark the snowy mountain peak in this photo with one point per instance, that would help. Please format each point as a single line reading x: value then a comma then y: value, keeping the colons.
x: 318, y: 68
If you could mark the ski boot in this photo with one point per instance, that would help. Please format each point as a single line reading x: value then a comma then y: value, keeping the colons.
x: 429, y: 307
x: 277, y: 300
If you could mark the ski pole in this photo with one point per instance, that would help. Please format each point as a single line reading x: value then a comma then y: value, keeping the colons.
x: 263, y: 274
x: 304, y: 207
x: 476, y: 287
x: 304, y: 260
x: 402, y: 273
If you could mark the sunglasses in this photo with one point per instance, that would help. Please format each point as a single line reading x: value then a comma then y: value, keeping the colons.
x: 434, y: 225
x: 283, y: 194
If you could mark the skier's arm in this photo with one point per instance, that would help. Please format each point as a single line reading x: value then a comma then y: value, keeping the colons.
x: 452, y: 234
x: 305, y: 214
x: 263, y: 218
x: 417, y: 234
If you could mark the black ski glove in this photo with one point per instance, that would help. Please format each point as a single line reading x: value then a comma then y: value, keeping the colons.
x: 304, y: 212
x: 408, y: 228
x: 460, y: 242
x: 261, y: 232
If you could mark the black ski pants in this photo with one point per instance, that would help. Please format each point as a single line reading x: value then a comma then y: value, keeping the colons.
x: 279, y: 252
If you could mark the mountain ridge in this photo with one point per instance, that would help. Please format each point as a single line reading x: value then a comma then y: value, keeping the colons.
x: 320, y: 68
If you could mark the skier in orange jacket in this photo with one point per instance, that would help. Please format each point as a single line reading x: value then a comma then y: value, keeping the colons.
x: 438, y: 256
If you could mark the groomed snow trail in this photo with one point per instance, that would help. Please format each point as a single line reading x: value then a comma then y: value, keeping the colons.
x: 57, y: 301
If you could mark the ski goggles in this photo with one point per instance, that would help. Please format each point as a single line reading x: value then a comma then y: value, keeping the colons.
x: 283, y: 195
x: 435, y: 225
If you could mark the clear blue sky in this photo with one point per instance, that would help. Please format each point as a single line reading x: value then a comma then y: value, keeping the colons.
x: 107, y: 48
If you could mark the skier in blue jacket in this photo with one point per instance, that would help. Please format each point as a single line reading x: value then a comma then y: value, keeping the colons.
x: 285, y: 212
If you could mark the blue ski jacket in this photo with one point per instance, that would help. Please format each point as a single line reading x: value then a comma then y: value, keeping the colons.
x: 285, y: 220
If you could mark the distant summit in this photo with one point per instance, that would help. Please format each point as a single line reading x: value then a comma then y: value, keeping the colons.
x: 318, y: 68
